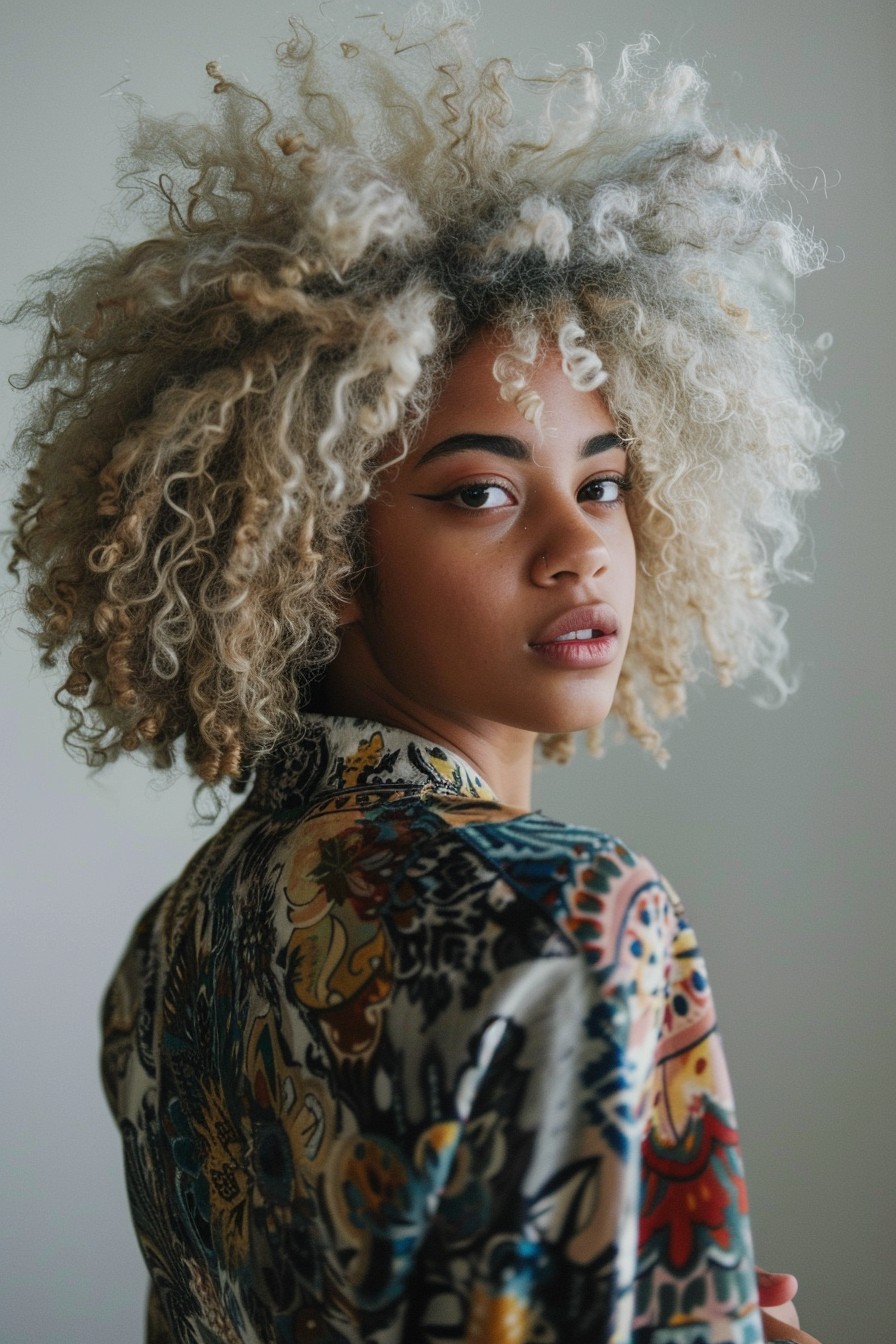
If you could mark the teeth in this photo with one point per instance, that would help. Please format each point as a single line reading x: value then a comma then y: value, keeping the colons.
x: 576, y: 634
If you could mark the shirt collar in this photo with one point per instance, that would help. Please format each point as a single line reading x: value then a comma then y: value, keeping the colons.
x: 343, y: 755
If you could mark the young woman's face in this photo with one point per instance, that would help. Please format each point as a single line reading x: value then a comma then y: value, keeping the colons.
x: 504, y: 557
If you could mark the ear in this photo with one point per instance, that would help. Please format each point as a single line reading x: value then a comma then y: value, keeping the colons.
x: 348, y: 612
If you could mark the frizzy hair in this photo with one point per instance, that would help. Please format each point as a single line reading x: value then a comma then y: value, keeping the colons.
x: 210, y: 405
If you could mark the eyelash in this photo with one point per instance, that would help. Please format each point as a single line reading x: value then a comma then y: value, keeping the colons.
x: 613, y: 478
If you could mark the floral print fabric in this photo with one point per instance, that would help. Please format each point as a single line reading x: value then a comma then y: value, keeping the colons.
x: 394, y: 1063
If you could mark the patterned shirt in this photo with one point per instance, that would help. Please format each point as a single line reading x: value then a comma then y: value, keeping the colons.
x: 394, y: 1063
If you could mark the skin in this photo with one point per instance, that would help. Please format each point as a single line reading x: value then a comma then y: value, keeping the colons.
x: 779, y: 1315
x: 775, y: 1327
x: 475, y: 554
x: 466, y: 583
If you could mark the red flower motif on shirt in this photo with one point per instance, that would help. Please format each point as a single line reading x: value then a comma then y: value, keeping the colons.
x: 693, y: 1195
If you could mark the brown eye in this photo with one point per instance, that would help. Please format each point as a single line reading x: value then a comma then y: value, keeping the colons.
x: 604, y: 490
x: 476, y: 497
x: 482, y: 495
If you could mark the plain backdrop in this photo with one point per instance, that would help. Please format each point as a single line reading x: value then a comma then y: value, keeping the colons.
x: 775, y: 826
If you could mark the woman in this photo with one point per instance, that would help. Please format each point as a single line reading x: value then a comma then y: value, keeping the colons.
x: 412, y: 440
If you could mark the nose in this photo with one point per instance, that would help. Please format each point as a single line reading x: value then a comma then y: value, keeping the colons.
x: 570, y: 552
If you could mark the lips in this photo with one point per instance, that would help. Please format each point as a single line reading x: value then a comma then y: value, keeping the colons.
x: 601, y: 618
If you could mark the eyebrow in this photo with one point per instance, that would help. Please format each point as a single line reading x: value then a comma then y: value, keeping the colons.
x: 505, y: 446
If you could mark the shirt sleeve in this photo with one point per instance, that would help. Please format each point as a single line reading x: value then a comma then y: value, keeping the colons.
x: 157, y: 1329
x: 695, y: 1257
x: 596, y: 1193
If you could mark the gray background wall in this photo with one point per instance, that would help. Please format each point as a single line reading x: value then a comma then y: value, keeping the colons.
x: 772, y: 825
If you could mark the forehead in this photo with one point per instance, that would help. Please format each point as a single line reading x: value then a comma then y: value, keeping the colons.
x: 474, y: 398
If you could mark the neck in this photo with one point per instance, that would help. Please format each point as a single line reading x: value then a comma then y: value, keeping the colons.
x: 500, y: 754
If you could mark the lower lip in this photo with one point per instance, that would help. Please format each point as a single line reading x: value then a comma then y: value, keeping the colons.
x: 579, y: 652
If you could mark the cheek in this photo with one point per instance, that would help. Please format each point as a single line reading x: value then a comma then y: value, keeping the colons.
x: 439, y: 587
x: 631, y: 561
x: 623, y: 550
x: 449, y: 585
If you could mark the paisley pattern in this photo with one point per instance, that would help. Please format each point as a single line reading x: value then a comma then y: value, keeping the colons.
x: 393, y: 1062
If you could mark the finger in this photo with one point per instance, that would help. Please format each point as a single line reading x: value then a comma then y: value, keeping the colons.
x: 786, y: 1312
x: 775, y: 1289
x: 780, y: 1330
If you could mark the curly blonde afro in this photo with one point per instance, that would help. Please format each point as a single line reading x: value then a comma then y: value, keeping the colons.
x: 209, y: 406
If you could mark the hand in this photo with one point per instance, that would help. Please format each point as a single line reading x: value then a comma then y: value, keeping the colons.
x: 776, y: 1294
x: 774, y: 1328
x: 779, y: 1318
